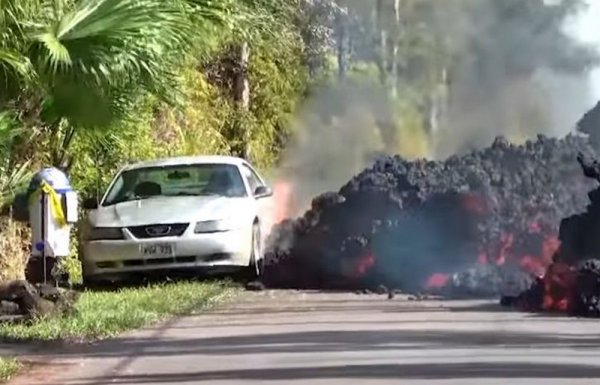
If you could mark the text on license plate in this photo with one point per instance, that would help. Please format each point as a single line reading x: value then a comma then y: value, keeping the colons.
x: 157, y: 250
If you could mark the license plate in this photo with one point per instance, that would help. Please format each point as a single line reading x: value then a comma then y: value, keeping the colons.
x: 160, y: 250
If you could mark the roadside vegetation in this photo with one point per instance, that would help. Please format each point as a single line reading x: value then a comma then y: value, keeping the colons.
x: 90, y: 85
x: 100, y: 315
x: 8, y: 368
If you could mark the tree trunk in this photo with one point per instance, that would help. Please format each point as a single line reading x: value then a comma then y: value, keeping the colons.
x: 437, y: 104
x: 383, y: 36
x: 241, y: 96
x: 61, y: 142
x: 341, y: 36
x: 395, y: 50
x: 241, y: 92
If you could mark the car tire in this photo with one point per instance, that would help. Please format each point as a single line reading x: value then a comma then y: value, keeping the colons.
x: 255, y: 266
x: 89, y: 281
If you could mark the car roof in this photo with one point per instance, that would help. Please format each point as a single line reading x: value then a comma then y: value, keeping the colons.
x: 187, y: 160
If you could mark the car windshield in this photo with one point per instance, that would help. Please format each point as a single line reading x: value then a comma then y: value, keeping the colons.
x: 180, y: 180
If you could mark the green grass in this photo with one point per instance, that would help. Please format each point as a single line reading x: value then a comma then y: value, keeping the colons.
x: 106, y: 314
x: 8, y: 368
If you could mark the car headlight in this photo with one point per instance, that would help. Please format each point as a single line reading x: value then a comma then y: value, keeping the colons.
x: 104, y: 233
x: 216, y: 226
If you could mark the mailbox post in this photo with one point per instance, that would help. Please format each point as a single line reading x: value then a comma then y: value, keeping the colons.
x: 52, y: 212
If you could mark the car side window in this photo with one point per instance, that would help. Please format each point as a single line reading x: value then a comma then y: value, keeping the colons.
x: 251, y: 177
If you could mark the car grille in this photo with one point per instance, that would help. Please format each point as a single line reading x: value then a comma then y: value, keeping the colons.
x: 159, y: 231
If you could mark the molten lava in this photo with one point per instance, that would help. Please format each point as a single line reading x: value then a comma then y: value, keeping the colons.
x: 534, y: 227
x: 559, y: 287
x: 474, y: 203
x: 363, y: 265
x: 537, y: 265
x: 473, y: 220
x: 282, y: 199
x: 482, y: 259
x: 507, y: 241
x: 437, y: 281
x: 509, y: 253
x: 532, y: 265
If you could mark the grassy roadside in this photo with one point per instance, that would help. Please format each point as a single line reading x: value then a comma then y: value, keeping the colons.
x: 8, y: 368
x: 106, y: 314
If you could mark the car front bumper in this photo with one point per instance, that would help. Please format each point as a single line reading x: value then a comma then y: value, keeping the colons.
x: 226, y: 249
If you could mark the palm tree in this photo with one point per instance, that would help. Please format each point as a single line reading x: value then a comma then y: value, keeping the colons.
x: 15, y: 67
x: 92, y: 59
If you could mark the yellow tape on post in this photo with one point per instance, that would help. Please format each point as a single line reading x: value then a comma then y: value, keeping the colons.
x: 55, y: 202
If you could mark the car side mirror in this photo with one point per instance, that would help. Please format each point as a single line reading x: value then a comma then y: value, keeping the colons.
x: 263, y: 192
x: 90, y: 204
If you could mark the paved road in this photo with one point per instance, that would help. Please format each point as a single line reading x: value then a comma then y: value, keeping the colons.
x: 310, y: 338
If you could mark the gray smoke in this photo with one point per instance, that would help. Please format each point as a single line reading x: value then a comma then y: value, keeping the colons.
x: 506, y: 67
x: 518, y: 73
x: 337, y: 135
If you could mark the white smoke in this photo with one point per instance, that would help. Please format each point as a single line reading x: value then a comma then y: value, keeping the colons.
x: 584, y: 27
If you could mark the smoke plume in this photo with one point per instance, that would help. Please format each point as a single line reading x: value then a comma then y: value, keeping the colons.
x: 516, y: 73
x: 339, y: 131
x: 467, y: 72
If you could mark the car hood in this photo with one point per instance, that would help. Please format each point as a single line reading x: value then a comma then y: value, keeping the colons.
x: 165, y: 210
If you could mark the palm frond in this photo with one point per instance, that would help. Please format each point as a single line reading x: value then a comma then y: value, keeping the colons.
x: 99, y: 33
x: 15, y: 68
x: 11, y: 178
x: 14, y: 64
x: 95, y: 55
x: 216, y: 11
x: 9, y: 130
x: 12, y: 181
x: 57, y: 54
x: 113, y: 19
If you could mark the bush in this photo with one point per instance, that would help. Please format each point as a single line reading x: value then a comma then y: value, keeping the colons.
x: 14, y: 249
x: 8, y: 368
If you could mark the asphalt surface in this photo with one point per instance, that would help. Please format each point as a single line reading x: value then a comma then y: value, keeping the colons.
x: 316, y: 338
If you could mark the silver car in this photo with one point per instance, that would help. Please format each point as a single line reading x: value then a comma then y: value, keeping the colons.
x: 177, y: 213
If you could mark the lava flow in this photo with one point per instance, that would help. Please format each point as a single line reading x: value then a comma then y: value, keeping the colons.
x: 363, y: 265
x: 483, y: 224
x: 532, y: 258
x: 488, y: 220
x: 437, y: 281
x: 571, y: 283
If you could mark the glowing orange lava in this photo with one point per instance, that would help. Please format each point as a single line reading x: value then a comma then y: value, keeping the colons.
x: 532, y: 265
x: 506, y: 253
x: 506, y: 241
x: 482, y: 259
x: 559, y: 286
x: 437, y: 281
x: 363, y: 265
x: 474, y: 203
x: 549, y: 248
x: 282, y: 201
x: 534, y: 227
x: 537, y: 264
